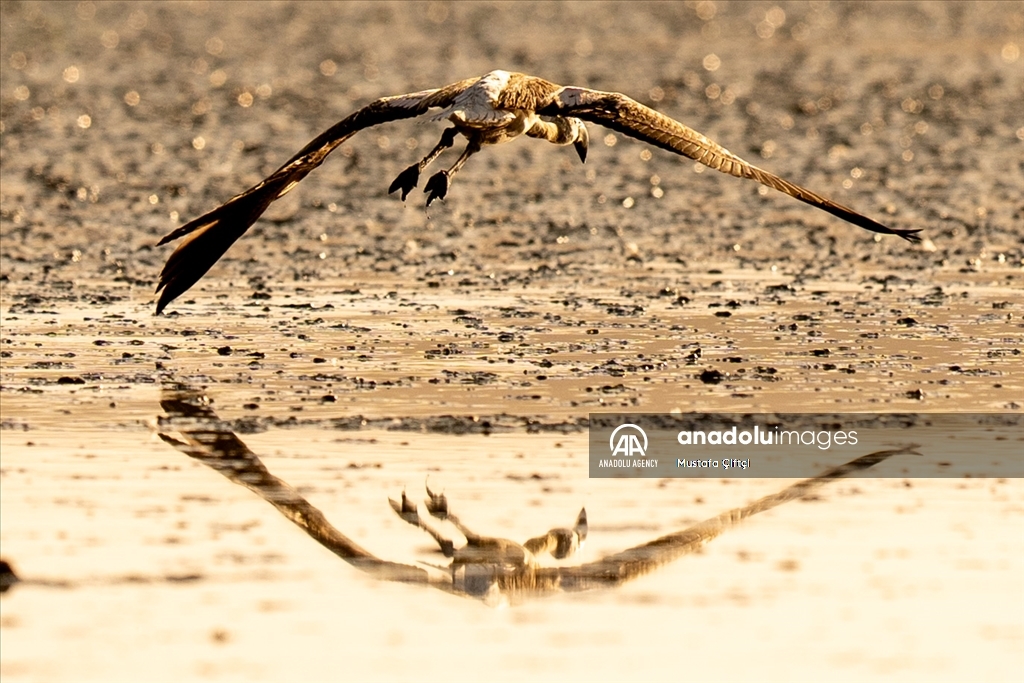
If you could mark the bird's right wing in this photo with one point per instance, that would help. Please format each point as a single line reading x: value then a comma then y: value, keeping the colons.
x: 210, y: 235
x: 627, y: 116
x: 639, y: 560
x: 191, y: 426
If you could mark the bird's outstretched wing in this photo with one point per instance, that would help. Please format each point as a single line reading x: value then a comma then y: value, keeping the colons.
x: 192, y: 426
x: 639, y: 560
x: 629, y: 117
x: 210, y: 235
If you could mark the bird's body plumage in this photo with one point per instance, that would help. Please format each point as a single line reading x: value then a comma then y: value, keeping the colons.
x: 492, y: 109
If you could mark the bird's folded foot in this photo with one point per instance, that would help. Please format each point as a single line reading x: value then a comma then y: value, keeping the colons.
x: 437, y: 186
x: 406, y: 181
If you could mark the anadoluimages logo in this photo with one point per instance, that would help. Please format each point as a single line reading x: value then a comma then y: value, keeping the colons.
x: 628, y: 443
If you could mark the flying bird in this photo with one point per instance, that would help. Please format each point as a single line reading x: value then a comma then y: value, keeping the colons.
x: 489, y: 110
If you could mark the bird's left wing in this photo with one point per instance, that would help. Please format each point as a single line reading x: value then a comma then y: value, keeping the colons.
x: 210, y: 235
x: 627, y: 116
x: 639, y: 560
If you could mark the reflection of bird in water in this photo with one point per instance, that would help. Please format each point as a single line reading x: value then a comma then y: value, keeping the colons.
x: 495, y: 108
x: 493, y: 569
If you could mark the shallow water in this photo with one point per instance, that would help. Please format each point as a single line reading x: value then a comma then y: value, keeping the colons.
x: 195, y: 573
x: 362, y: 347
x: 101, y: 517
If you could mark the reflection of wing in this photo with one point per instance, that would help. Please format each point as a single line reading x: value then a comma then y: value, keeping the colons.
x: 213, y: 233
x: 631, y: 118
x: 193, y: 428
x: 629, y: 564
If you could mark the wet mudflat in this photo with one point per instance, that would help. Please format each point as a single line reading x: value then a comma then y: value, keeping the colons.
x: 360, y: 346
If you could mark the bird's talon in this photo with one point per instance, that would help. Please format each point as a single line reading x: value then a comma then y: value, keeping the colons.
x: 406, y: 181
x: 437, y: 186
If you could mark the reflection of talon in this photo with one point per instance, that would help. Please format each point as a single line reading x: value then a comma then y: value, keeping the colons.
x: 406, y: 509
x: 437, y: 186
x: 406, y: 181
x: 437, y: 505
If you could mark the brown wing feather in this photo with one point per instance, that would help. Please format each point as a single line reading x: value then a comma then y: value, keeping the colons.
x: 200, y: 434
x: 631, y: 118
x: 525, y: 93
x: 639, y: 560
x: 214, y: 232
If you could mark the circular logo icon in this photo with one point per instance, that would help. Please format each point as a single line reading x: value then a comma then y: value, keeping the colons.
x: 628, y: 442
